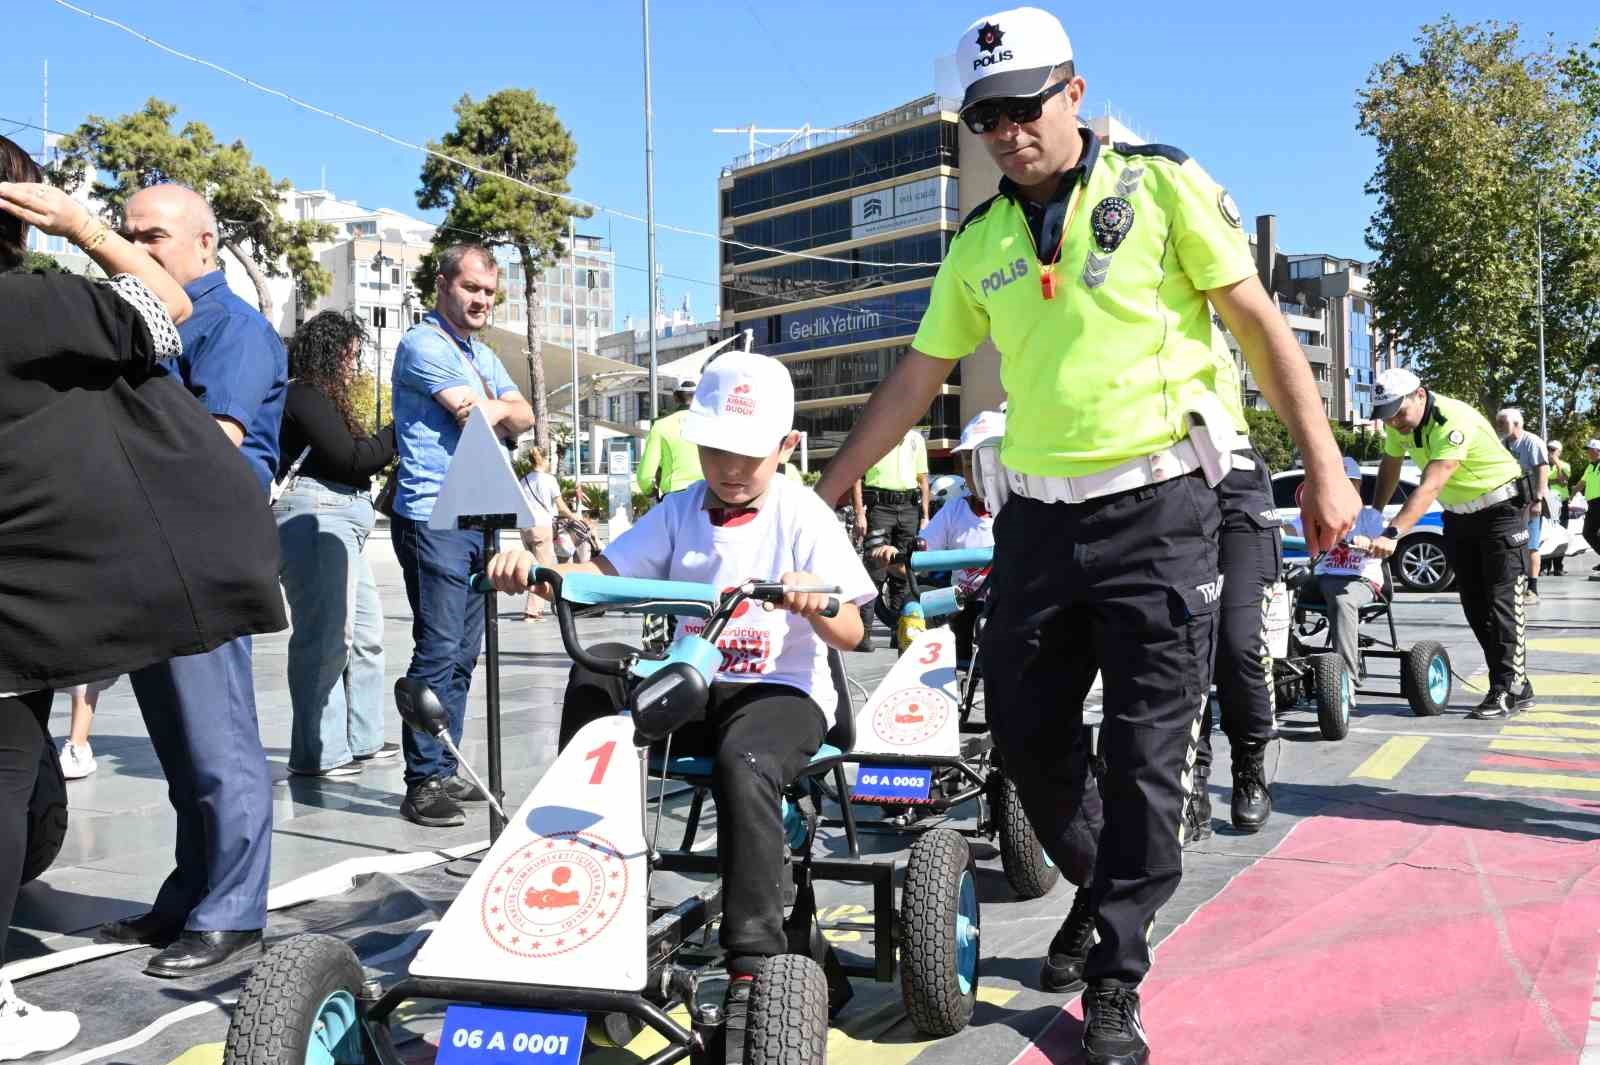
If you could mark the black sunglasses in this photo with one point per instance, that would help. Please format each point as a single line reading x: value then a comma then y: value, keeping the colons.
x: 985, y: 117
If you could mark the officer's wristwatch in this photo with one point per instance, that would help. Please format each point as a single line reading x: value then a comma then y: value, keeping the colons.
x: 1391, y: 533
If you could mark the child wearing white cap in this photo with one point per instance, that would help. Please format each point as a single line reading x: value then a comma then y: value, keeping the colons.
x: 765, y: 719
x: 1349, y: 577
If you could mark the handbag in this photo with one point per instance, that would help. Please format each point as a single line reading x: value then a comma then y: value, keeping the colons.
x: 384, y: 504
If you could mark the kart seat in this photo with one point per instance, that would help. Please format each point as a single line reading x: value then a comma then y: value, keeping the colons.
x: 1308, y: 598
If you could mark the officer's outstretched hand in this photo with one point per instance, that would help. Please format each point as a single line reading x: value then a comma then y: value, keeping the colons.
x: 1328, y: 508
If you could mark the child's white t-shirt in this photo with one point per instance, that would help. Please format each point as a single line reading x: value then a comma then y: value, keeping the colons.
x: 794, y: 530
x: 1345, y: 561
x: 957, y: 527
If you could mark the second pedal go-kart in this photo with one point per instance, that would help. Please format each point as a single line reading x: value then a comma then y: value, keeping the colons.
x: 558, y: 938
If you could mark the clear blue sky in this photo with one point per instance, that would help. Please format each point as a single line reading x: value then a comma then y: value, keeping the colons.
x: 1262, y: 95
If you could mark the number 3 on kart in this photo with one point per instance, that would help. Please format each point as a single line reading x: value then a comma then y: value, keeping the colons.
x: 602, y: 757
x: 932, y: 656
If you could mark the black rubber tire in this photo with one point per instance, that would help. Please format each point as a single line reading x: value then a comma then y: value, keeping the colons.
x: 1414, y: 678
x: 928, y: 904
x: 1328, y: 672
x: 788, y: 1013
x: 1027, y: 867
x: 278, y: 1004
x: 47, y: 814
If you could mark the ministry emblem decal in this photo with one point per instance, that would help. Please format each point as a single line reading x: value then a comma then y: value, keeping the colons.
x: 554, y: 894
x: 911, y: 716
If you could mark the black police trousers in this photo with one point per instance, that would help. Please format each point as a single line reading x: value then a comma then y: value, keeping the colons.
x: 1489, y: 552
x: 758, y: 737
x: 898, y: 524
x: 1250, y: 559
x: 1125, y: 585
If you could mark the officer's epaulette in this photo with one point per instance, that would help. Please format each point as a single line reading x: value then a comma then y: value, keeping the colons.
x: 1165, y: 151
x: 977, y: 213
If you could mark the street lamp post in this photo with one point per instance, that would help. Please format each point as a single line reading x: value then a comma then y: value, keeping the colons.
x: 379, y: 314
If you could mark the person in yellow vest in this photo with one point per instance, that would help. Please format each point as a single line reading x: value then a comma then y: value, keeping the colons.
x: 1590, y: 486
x: 1095, y: 272
x: 1485, y: 495
x: 1561, y: 488
x: 669, y: 462
x: 891, y: 504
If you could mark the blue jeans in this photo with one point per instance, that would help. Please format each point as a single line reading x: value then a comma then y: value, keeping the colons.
x: 336, y: 648
x: 200, y: 712
x: 446, y: 629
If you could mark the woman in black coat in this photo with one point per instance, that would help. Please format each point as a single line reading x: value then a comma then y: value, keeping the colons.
x: 131, y: 531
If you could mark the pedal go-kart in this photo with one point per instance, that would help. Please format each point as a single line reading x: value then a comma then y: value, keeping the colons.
x: 1312, y: 670
x: 558, y: 938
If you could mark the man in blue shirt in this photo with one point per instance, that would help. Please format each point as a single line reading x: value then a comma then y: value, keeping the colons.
x: 200, y: 710
x: 441, y: 375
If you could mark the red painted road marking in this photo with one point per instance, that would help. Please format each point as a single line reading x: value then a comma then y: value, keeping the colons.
x: 1365, y: 938
x: 1570, y: 765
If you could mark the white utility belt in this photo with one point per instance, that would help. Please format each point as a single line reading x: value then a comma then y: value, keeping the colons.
x: 1488, y: 499
x: 1181, y: 458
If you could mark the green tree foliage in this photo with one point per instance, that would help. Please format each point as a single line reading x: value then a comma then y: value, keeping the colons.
x: 37, y: 262
x: 1271, y: 438
x: 1485, y: 147
x: 126, y: 154
x: 364, y: 401
x: 510, y: 132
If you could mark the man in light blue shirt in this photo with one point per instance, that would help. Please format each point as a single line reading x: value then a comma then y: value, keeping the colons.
x: 441, y: 375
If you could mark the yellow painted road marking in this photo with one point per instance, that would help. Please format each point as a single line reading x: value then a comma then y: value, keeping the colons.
x: 1568, y: 708
x: 203, y: 1054
x: 1591, y: 733
x: 1567, y: 684
x: 1550, y: 746
x: 886, y: 1036
x: 1554, y: 717
x: 1558, y: 781
x: 1387, y: 761
x: 1580, y: 645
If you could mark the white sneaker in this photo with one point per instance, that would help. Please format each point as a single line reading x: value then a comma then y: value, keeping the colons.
x: 77, y: 762
x: 26, y: 1029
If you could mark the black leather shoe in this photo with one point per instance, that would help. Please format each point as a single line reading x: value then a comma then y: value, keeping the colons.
x: 1069, y: 950
x: 1252, y: 801
x: 201, y: 952
x: 426, y: 804
x: 1113, y: 1033
x: 463, y: 790
x: 147, y: 929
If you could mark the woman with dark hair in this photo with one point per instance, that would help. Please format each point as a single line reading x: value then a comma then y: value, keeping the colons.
x: 324, y: 517
x: 131, y: 530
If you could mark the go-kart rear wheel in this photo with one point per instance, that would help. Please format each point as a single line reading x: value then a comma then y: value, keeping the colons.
x: 788, y: 1013
x: 47, y: 815
x: 1334, y: 694
x: 1425, y: 678
x: 1029, y: 869
x: 939, y: 934
x: 298, y: 1007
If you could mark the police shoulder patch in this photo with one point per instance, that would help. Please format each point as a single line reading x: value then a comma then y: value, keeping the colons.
x: 1229, y: 209
x: 1160, y: 151
x: 1457, y: 437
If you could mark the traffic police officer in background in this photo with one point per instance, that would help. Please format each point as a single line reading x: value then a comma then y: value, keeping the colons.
x: 1095, y: 270
x: 1590, y: 486
x: 1485, y: 496
x: 891, y: 504
x: 669, y: 462
x: 1561, y: 488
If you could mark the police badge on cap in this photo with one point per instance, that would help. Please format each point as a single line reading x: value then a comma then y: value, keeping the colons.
x: 1010, y: 53
x: 1391, y: 389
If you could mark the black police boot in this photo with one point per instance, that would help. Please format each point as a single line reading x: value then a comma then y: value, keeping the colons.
x: 1113, y: 1034
x: 1252, y: 802
x: 1197, y: 808
x: 1496, y: 704
x: 1069, y: 950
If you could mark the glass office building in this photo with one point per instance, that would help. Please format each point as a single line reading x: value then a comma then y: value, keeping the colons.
x: 838, y: 239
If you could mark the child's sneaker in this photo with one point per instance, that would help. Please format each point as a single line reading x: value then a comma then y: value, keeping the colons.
x: 26, y: 1029
x: 77, y: 761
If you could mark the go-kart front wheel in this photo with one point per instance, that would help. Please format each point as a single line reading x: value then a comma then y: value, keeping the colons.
x: 1029, y: 869
x: 298, y: 1007
x: 939, y: 934
x: 1425, y: 678
x: 1335, y: 691
x: 788, y: 1013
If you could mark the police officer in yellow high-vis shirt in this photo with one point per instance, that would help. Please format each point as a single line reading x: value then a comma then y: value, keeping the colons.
x: 891, y: 505
x: 1485, y: 495
x: 1095, y: 270
x: 669, y: 462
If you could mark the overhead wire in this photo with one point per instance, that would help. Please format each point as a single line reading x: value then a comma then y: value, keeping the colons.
x: 443, y: 157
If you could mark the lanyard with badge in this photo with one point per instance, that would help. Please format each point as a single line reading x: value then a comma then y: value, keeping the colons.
x: 1047, y: 270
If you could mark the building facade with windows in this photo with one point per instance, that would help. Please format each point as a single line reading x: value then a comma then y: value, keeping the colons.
x: 581, y: 283
x: 859, y: 224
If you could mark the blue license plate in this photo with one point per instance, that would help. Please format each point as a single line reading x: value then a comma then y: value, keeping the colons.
x: 485, y: 1035
x: 899, y: 783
